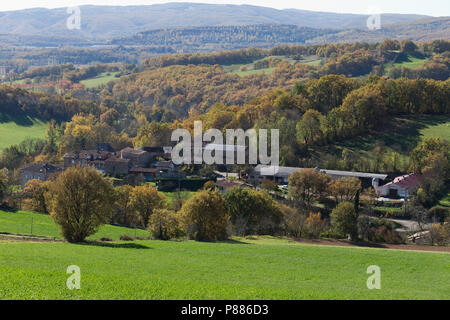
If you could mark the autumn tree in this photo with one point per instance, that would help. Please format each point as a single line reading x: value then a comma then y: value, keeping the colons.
x: 35, y: 190
x: 144, y: 200
x: 4, y: 181
x: 154, y: 134
x: 123, y: 212
x: 344, y: 189
x: 345, y: 219
x: 408, y: 46
x: 427, y: 149
x: 165, y: 225
x: 252, y: 211
x: 205, y: 216
x: 329, y: 91
x: 80, y: 200
x: 295, y: 222
x: 308, y: 185
x: 315, y: 224
x: 308, y: 129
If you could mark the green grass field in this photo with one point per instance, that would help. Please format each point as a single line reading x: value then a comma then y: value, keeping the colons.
x: 236, y: 68
x: 410, y: 61
x: 15, y: 130
x: 20, y: 223
x: 103, y: 78
x: 246, y: 269
x: 257, y: 268
x: 401, y: 135
x: 441, y: 130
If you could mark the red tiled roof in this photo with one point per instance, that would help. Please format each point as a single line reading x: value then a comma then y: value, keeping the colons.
x: 407, y: 181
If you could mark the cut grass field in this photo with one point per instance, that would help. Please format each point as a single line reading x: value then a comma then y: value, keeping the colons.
x: 239, y: 269
x: 15, y: 130
x: 102, y: 78
x: 20, y: 222
x: 236, y: 68
x: 411, y: 61
x: 242, y: 268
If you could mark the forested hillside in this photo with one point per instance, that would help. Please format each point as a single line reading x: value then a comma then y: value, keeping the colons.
x: 319, y: 96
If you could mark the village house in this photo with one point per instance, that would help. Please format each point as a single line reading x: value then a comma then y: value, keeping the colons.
x: 38, y: 171
x: 147, y: 174
x: 116, y: 166
x: 138, y: 158
x: 167, y: 169
x: 156, y: 153
x: 94, y: 158
x: 401, y: 186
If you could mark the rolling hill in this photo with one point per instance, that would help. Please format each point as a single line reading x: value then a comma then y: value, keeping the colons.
x: 420, y: 30
x: 115, y: 21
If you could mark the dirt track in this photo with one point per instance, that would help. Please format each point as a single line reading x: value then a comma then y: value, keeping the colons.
x: 414, y: 247
x: 26, y: 239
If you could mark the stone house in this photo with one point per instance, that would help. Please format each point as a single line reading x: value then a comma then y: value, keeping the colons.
x: 38, y: 171
x: 138, y: 158
x: 116, y: 166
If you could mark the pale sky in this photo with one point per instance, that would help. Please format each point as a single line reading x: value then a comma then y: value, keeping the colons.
x: 428, y: 7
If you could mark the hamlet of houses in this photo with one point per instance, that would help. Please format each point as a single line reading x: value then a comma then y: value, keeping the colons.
x: 154, y: 163
x: 149, y: 163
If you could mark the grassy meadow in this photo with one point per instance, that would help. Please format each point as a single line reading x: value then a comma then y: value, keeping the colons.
x: 241, y: 268
x: 15, y: 130
x: 27, y: 223
x: 236, y: 68
x: 400, y: 135
x: 102, y: 78
x: 409, y: 61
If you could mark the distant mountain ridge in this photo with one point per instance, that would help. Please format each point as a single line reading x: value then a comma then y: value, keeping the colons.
x: 198, y: 39
x: 106, y: 22
x: 418, y: 30
x: 201, y: 39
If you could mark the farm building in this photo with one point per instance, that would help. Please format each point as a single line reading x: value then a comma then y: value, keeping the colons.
x: 281, y: 175
x: 400, y: 187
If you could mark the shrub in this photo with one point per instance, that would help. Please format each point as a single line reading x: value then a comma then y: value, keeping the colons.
x: 295, y: 222
x: 126, y: 237
x: 144, y: 200
x: 439, y: 213
x: 344, y: 219
x: 165, y: 225
x: 315, y: 225
x: 35, y: 191
x: 205, y: 216
x: 439, y: 234
x: 269, y: 185
x: 384, y: 234
x: 106, y: 239
x: 209, y: 185
x: 253, y: 212
x: 80, y: 200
